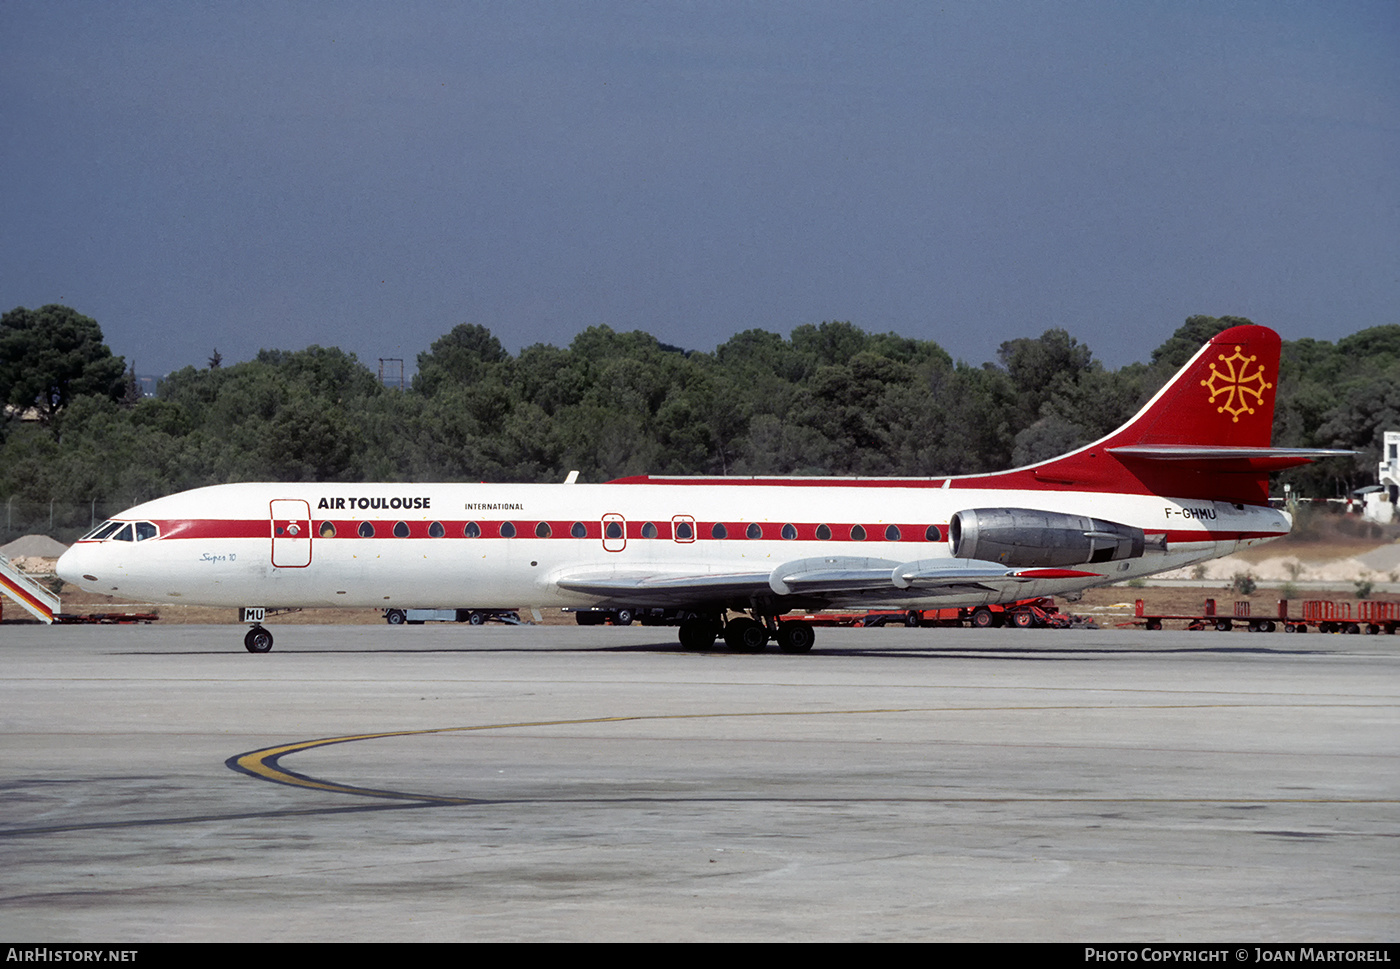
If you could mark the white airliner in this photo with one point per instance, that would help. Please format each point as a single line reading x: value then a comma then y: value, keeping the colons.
x: 1185, y: 480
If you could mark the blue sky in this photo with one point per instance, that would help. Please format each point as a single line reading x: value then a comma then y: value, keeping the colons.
x: 368, y: 175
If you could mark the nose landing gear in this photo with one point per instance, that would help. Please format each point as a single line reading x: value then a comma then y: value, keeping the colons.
x: 258, y: 640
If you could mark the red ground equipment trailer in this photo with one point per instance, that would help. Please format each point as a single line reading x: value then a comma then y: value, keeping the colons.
x: 1322, y: 614
x: 1025, y: 614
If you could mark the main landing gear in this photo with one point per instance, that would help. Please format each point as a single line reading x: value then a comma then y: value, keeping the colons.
x: 746, y: 635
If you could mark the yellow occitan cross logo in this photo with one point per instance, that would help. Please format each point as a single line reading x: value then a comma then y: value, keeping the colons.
x: 1236, y: 385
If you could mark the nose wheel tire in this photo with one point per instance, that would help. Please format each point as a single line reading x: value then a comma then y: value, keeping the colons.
x: 258, y: 640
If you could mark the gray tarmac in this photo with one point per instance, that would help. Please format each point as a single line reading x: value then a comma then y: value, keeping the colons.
x: 558, y: 783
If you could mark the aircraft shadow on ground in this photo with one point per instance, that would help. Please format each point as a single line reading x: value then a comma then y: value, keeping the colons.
x: 1039, y: 653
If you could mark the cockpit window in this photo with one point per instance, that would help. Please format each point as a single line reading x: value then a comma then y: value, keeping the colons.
x: 117, y: 531
x: 103, y: 531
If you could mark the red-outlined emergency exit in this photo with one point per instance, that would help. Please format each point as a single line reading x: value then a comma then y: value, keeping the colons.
x: 614, y: 533
x: 291, y: 533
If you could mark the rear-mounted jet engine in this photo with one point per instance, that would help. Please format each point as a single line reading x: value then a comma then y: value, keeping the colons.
x: 1040, y: 539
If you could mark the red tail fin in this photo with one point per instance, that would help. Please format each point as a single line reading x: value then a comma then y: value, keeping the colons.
x: 1223, y: 397
x: 1205, y: 435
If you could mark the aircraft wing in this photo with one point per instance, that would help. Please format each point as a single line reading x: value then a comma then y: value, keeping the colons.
x: 806, y: 583
x: 678, y: 588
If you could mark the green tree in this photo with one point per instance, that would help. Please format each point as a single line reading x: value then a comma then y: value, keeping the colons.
x: 1040, y: 368
x: 461, y: 357
x: 52, y: 355
x: 830, y: 343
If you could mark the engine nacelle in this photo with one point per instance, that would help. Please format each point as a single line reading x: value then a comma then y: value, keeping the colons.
x: 1040, y: 539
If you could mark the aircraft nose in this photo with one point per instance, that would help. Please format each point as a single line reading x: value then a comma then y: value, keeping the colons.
x: 73, y: 567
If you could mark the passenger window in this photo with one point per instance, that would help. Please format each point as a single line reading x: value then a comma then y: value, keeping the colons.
x: 789, y: 533
x: 507, y: 530
x: 435, y: 530
x: 401, y: 529
x: 684, y: 531
x: 892, y: 533
x: 613, y: 530
x: 717, y: 530
x: 542, y: 530
x: 931, y: 534
x: 578, y: 531
x: 327, y: 529
x: 857, y: 533
x: 366, y: 530
x: 648, y: 530
x: 753, y: 531
x: 472, y: 530
x: 824, y: 533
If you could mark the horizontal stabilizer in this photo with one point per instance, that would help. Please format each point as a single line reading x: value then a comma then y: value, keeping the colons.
x: 1207, y: 457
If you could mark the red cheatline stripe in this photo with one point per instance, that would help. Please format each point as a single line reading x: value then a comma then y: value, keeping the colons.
x: 910, y: 532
